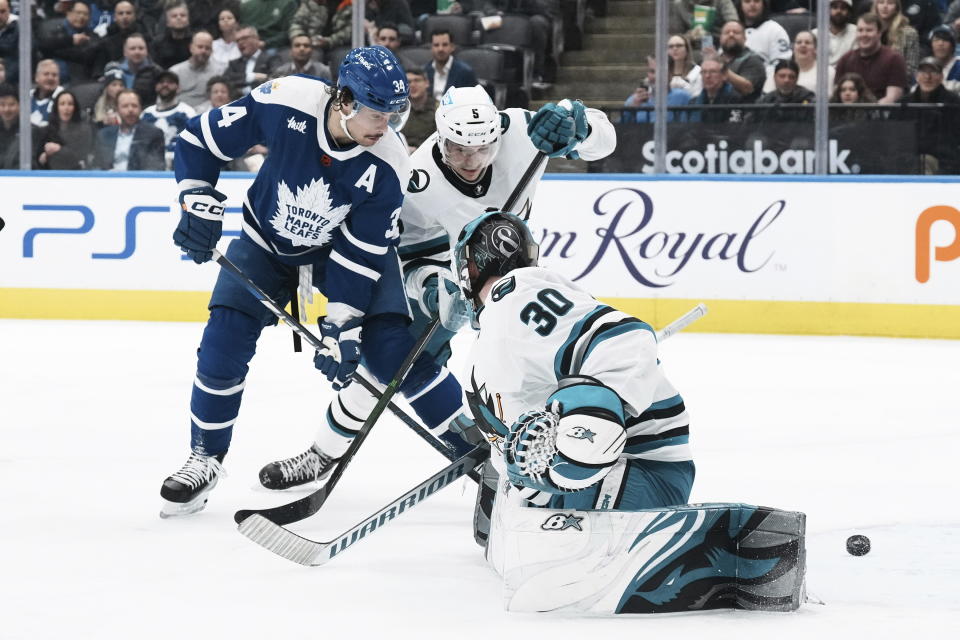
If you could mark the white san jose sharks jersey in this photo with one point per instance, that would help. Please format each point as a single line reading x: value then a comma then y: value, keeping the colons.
x: 311, y: 197
x: 538, y: 327
x: 439, y: 204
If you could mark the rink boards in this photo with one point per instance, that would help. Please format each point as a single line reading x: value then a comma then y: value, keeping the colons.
x: 853, y: 255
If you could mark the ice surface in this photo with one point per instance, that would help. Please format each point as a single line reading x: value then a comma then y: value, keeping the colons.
x: 861, y: 434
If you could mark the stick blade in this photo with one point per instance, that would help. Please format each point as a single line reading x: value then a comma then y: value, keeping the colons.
x: 282, y: 542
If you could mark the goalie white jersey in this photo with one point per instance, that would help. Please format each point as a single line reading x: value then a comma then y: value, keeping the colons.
x: 439, y: 203
x: 538, y: 327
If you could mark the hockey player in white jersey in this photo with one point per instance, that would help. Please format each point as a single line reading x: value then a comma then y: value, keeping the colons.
x: 569, y: 390
x: 324, y: 209
x: 470, y: 165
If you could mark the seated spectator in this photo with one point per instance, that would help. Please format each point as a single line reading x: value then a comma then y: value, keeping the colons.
x: 195, y: 71
x: 444, y: 71
x: 251, y: 68
x: 924, y: 16
x: 684, y: 72
x: 10, y: 129
x: 67, y: 143
x: 225, y: 47
x: 205, y: 14
x: 311, y: 19
x: 3, y: 72
x: 169, y: 114
x: 786, y: 91
x: 105, y: 109
x: 125, y: 24
x: 952, y: 17
x: 643, y: 97
x: 218, y: 94
x: 805, y: 55
x: 851, y: 89
x: 843, y: 33
x: 938, y: 130
x: 745, y: 69
x: 46, y: 88
x: 71, y: 42
x: 716, y: 90
x: 421, y: 122
x: 173, y: 44
x: 139, y: 71
x: 9, y: 43
x: 132, y: 145
x: 943, y: 44
x: 882, y: 68
x: 388, y: 36
x: 897, y: 33
x: 301, y: 61
x: 717, y: 13
x: 271, y: 19
x: 340, y: 33
x: 765, y: 37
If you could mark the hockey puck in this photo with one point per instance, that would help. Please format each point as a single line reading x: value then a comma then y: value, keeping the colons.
x: 858, y: 545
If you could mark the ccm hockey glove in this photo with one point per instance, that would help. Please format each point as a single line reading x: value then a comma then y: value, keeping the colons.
x: 556, y: 129
x: 340, y: 355
x: 201, y: 222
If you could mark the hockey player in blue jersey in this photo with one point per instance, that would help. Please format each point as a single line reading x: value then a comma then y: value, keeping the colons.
x: 470, y: 165
x: 324, y: 208
x: 570, y: 391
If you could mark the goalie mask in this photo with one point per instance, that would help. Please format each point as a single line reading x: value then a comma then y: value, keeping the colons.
x: 468, y: 131
x: 491, y: 246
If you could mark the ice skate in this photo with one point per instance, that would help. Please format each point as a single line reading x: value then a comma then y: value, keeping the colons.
x: 186, y: 491
x: 310, y: 466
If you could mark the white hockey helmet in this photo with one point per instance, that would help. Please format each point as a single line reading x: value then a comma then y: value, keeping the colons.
x: 468, y: 129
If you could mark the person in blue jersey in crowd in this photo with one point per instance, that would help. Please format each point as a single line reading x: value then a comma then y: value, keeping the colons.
x: 324, y: 211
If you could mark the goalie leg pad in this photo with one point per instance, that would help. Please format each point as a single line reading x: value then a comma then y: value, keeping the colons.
x: 686, y: 558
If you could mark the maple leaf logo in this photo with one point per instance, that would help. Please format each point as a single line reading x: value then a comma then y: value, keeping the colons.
x: 307, y: 218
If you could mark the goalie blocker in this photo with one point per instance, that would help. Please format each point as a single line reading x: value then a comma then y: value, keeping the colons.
x: 685, y: 558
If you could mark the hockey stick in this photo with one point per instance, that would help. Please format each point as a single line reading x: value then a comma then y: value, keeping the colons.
x: 309, y: 505
x: 682, y: 322
x: 313, y: 553
x: 314, y: 342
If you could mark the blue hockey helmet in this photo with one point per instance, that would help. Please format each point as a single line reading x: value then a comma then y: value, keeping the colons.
x: 376, y: 81
x: 490, y: 246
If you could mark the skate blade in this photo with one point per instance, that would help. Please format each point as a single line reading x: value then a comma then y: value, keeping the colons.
x: 175, y: 509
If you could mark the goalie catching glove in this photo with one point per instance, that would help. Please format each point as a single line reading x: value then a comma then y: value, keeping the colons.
x: 201, y: 222
x: 340, y: 355
x: 570, y: 446
x: 556, y: 129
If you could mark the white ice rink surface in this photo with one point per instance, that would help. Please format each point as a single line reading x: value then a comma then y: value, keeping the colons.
x: 860, y: 434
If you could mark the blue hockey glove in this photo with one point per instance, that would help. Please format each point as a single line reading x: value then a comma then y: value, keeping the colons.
x: 201, y: 222
x: 557, y: 129
x: 340, y: 355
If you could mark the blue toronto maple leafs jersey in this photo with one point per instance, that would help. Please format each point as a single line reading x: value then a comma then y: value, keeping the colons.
x: 311, y: 196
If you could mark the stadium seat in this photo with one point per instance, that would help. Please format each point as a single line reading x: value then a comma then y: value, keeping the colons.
x: 794, y: 23
x: 87, y: 94
x: 415, y: 57
x: 490, y: 65
x: 334, y: 58
x: 515, y: 33
x: 463, y: 29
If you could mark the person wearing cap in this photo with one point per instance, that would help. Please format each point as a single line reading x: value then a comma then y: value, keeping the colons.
x: 943, y: 44
x: 938, y: 130
x: 786, y: 91
x: 883, y: 69
x: 169, y: 114
x: 105, y: 109
x: 843, y: 33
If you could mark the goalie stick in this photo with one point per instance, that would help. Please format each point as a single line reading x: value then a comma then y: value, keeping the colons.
x: 313, y: 553
x: 314, y: 342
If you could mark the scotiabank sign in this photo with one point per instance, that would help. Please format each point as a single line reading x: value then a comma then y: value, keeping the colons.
x: 865, y: 147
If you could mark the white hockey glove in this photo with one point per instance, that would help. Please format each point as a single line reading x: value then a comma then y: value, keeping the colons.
x: 571, y: 446
x: 439, y: 294
x: 340, y: 355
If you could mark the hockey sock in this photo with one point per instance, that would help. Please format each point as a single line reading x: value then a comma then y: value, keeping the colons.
x: 344, y: 417
x: 228, y: 344
x: 439, y: 403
